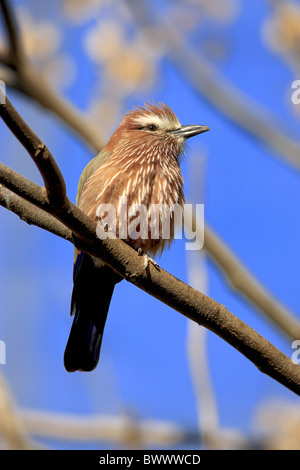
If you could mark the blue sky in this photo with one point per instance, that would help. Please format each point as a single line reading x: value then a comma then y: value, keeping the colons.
x: 252, y: 201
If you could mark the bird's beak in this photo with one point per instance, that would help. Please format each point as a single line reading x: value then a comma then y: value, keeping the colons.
x: 189, y: 131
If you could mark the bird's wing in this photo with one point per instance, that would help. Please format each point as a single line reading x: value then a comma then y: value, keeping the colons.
x: 91, y: 167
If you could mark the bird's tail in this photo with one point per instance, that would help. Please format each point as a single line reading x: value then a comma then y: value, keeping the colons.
x: 92, y: 292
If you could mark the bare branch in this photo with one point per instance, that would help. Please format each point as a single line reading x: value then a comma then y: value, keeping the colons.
x: 32, y: 215
x: 240, y: 278
x: 53, y: 179
x: 159, y: 283
x: 72, y: 217
x: 23, y: 187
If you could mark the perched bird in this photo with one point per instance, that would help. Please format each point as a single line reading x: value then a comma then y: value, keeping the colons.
x: 141, y: 162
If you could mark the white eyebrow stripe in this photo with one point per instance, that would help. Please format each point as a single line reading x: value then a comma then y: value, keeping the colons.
x: 160, y: 122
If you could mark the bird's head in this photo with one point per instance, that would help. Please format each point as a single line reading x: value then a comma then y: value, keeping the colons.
x: 154, y: 124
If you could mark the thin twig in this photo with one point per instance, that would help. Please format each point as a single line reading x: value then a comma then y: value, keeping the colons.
x: 166, y: 288
x: 53, y: 179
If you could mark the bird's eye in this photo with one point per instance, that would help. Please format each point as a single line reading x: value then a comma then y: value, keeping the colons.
x: 152, y: 127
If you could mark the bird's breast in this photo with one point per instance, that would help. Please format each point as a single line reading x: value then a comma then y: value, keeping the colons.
x: 143, y: 193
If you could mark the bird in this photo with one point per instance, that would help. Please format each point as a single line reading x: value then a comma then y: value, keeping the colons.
x: 140, y: 163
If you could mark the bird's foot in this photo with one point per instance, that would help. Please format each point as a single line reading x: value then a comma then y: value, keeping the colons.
x: 147, y: 260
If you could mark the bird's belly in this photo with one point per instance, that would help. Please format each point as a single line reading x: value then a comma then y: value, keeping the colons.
x: 143, y: 208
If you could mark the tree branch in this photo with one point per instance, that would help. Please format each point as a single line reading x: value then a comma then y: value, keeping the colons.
x: 240, y: 278
x: 53, y: 179
x: 156, y: 282
x: 31, y: 214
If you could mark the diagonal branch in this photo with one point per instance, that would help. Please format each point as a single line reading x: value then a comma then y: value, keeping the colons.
x: 240, y: 278
x: 246, y: 284
x: 53, y: 179
x: 156, y: 282
x: 31, y: 214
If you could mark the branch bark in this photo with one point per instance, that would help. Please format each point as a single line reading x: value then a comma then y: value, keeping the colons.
x: 123, y: 259
x: 241, y: 279
x: 31, y: 214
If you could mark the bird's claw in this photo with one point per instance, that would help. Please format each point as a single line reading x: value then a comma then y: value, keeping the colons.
x: 147, y: 259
